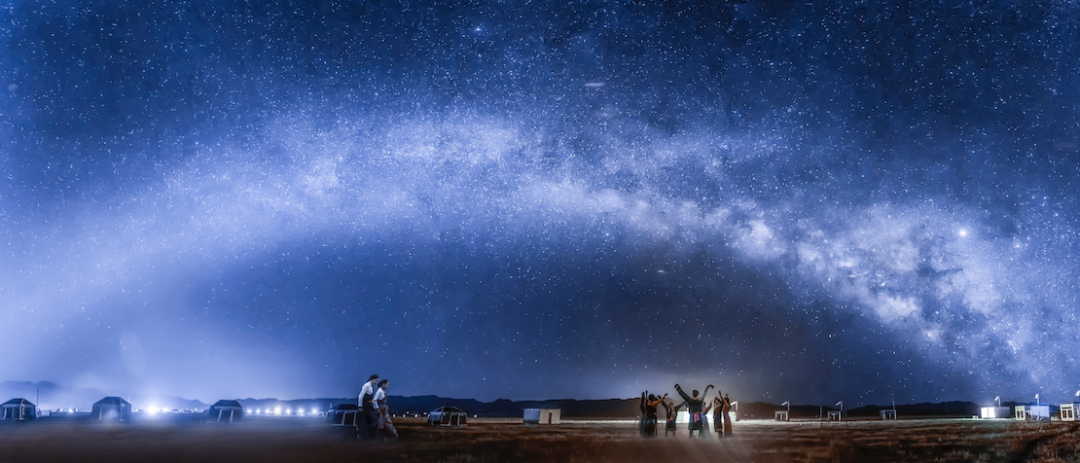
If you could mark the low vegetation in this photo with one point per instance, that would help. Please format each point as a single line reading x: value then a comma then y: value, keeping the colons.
x: 493, y: 440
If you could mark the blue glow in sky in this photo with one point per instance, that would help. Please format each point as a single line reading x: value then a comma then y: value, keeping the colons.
x: 871, y: 201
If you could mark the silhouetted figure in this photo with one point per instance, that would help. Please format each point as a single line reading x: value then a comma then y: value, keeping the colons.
x: 717, y: 407
x: 693, y: 407
x: 725, y: 408
x: 648, y: 413
x: 366, y: 421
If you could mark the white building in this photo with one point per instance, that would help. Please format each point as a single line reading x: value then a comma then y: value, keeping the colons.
x: 994, y: 412
x: 542, y: 416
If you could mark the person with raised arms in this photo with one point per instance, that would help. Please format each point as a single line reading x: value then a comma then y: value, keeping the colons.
x: 694, y: 406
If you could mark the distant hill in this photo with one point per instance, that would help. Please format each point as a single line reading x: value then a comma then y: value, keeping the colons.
x: 610, y: 408
x: 53, y: 396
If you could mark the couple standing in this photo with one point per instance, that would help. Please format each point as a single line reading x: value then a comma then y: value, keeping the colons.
x: 720, y: 406
x: 368, y: 426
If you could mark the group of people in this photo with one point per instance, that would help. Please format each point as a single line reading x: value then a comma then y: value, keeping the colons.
x: 697, y: 408
x: 373, y: 421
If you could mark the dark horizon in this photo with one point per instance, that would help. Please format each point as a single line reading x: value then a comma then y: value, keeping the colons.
x: 872, y: 201
x: 409, y: 403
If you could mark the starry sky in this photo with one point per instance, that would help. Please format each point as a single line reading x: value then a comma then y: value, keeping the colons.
x: 809, y: 201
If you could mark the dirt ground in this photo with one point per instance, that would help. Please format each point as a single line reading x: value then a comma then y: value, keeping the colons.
x: 493, y: 440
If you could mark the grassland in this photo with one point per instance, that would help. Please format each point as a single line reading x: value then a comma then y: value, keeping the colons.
x: 492, y: 440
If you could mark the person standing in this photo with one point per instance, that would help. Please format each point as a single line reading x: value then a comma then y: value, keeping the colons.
x: 717, y: 406
x: 693, y: 406
x: 385, y: 426
x: 726, y: 407
x: 648, y: 410
x: 365, y: 423
x: 670, y: 412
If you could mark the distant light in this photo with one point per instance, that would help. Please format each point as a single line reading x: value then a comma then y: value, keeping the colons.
x: 963, y: 233
x: 277, y: 410
x: 314, y: 411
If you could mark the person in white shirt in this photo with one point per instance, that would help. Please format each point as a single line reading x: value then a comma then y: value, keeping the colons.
x: 365, y: 421
x: 386, y: 427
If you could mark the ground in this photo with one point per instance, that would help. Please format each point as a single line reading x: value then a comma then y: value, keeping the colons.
x: 506, y: 440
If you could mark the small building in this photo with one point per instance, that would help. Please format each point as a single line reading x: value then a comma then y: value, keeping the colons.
x: 1067, y: 412
x: 1039, y: 412
x: 226, y: 411
x: 343, y: 415
x: 889, y: 414
x: 111, y: 409
x: 1032, y: 412
x: 542, y: 416
x: 782, y: 415
x: 448, y: 416
x: 836, y: 415
x: 18, y: 410
x: 994, y: 412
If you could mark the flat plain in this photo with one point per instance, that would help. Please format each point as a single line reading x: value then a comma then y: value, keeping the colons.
x: 507, y: 440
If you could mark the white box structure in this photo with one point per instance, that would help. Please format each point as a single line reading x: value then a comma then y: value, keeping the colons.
x: 888, y: 414
x: 782, y: 415
x: 1039, y: 412
x: 994, y: 412
x: 543, y: 416
x: 1032, y: 412
x: 1068, y: 412
x: 835, y: 415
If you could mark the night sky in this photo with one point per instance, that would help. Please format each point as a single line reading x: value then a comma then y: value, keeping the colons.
x: 809, y: 201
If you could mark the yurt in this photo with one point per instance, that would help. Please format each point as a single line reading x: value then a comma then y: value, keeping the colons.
x: 226, y: 411
x: 18, y: 410
x: 447, y: 416
x: 343, y: 415
x: 111, y: 409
